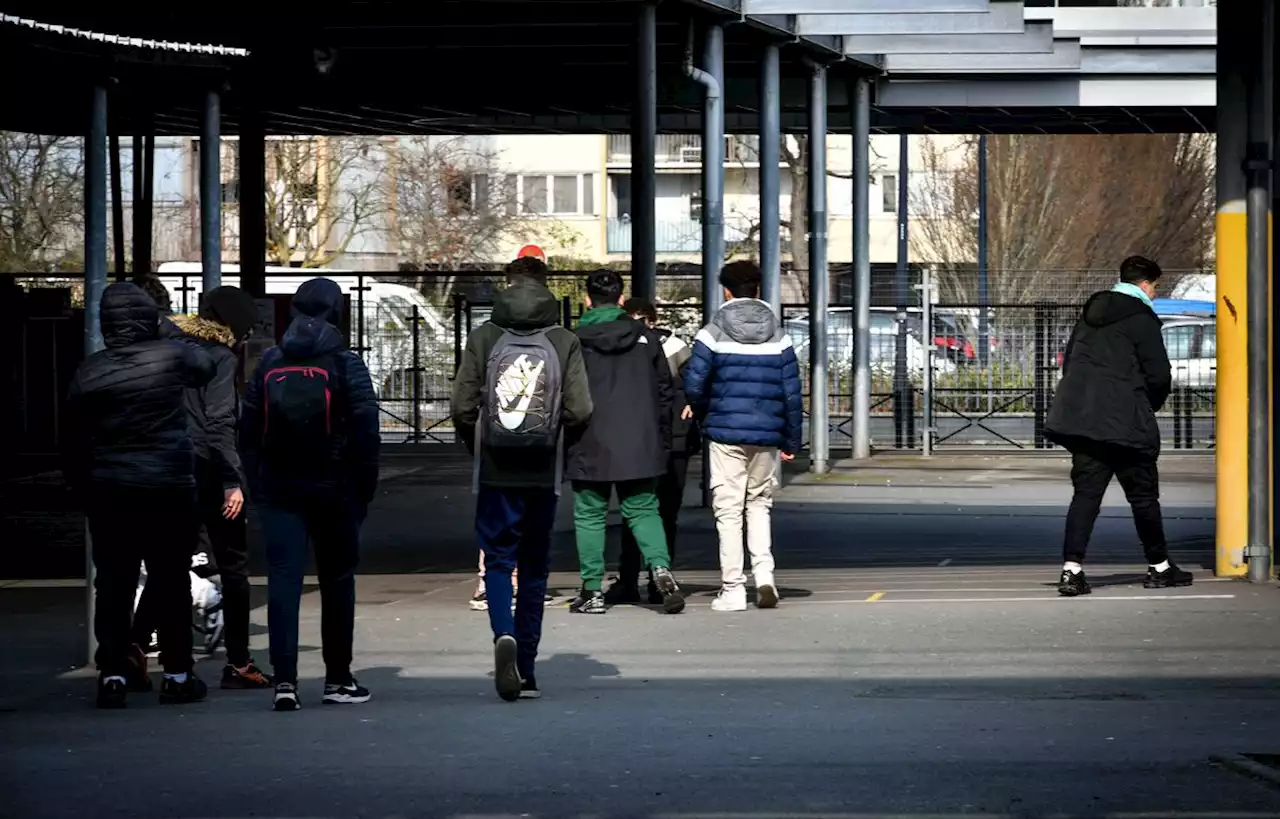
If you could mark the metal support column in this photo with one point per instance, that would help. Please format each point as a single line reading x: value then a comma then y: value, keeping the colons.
x: 984, y: 296
x: 253, y: 207
x: 1257, y: 203
x: 1230, y: 237
x: 644, y: 186
x: 144, y: 202
x: 117, y: 210
x: 711, y: 76
x: 861, y: 99
x: 926, y: 321
x: 819, y: 274
x: 211, y: 192
x: 903, y: 409
x: 95, y: 281
x: 770, y: 179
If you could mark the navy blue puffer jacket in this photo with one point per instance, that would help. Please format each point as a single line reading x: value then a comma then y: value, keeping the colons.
x: 743, y: 380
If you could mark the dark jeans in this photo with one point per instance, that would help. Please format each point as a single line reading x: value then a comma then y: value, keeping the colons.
x: 128, y: 526
x: 332, y: 527
x: 226, y: 543
x: 1092, y: 468
x: 670, y: 498
x: 514, y: 527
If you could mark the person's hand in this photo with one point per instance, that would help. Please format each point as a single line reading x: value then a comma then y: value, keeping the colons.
x: 687, y: 413
x: 786, y: 456
x: 232, y: 503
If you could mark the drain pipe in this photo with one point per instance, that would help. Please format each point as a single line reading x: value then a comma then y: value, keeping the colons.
x: 712, y: 162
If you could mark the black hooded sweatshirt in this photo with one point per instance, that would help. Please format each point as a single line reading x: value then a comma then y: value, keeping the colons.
x: 629, y: 434
x: 1115, y: 379
x: 351, y: 468
x: 125, y: 423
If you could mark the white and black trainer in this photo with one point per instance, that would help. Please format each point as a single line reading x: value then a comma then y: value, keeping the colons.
x: 286, y: 698
x: 351, y: 693
x: 506, y: 676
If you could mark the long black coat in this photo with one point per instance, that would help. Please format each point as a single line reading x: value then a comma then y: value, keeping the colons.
x: 125, y: 421
x: 629, y: 434
x: 1116, y: 378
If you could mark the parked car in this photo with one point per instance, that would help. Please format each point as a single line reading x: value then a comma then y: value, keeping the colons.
x: 1192, y: 344
x: 884, y: 332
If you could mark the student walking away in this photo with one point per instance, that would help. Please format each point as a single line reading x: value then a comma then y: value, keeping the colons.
x: 521, y: 381
x: 129, y: 460
x: 743, y: 384
x: 684, y: 442
x: 225, y: 321
x: 309, y: 437
x: 1115, y: 379
x: 624, y: 446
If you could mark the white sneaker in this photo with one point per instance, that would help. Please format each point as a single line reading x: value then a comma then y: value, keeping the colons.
x: 730, y: 601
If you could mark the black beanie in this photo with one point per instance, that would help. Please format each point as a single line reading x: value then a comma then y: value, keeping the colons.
x: 230, y: 307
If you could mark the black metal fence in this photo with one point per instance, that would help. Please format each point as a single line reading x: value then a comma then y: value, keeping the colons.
x: 994, y: 367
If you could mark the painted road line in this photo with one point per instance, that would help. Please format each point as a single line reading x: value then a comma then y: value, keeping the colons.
x: 946, y: 562
x: 1047, y: 598
x: 874, y: 597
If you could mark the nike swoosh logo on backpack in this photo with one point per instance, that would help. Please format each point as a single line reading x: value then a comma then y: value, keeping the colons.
x: 518, y: 383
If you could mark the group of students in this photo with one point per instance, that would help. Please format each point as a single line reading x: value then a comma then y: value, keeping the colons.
x: 161, y: 451
x: 617, y: 405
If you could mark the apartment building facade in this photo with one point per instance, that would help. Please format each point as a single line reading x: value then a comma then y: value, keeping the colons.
x: 570, y: 194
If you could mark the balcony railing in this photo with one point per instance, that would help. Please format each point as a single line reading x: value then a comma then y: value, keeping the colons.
x: 684, y: 236
x: 672, y: 237
x: 686, y: 149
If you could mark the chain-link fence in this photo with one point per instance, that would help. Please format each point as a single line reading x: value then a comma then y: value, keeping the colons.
x: 994, y: 349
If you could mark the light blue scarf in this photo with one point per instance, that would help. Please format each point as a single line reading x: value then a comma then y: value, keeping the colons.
x: 1133, y: 290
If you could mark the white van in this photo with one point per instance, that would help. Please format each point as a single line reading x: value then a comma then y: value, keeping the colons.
x: 387, y: 320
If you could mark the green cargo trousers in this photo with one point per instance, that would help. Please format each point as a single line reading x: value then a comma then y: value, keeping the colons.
x: 639, y: 502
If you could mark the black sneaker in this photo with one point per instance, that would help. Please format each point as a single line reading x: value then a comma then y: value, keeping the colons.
x: 192, y: 689
x: 529, y: 689
x: 672, y: 597
x: 350, y: 693
x: 589, y: 602
x: 767, y: 596
x: 1073, y: 584
x: 286, y: 698
x: 653, y: 594
x: 1170, y: 578
x: 112, y: 692
x: 621, y: 592
x: 506, y: 677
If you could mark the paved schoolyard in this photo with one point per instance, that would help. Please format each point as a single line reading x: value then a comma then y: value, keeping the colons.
x: 920, y: 665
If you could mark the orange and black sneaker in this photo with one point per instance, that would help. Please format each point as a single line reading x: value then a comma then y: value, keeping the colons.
x: 250, y: 676
x: 137, y: 680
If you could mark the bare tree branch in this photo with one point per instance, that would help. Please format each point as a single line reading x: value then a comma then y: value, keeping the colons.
x: 1063, y: 211
x: 322, y: 193
x: 41, y: 201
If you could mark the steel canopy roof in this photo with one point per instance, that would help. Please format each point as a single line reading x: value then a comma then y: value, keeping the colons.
x: 504, y: 66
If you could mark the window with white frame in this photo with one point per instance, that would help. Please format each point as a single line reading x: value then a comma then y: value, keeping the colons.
x: 551, y: 194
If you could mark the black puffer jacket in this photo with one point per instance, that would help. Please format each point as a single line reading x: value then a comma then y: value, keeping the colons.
x: 629, y: 434
x: 350, y: 470
x: 214, y: 409
x: 125, y: 422
x: 1115, y: 378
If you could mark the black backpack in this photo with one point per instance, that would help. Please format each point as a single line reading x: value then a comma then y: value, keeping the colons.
x: 299, y: 401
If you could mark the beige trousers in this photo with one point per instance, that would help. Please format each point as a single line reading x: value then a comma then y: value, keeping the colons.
x: 742, y: 480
